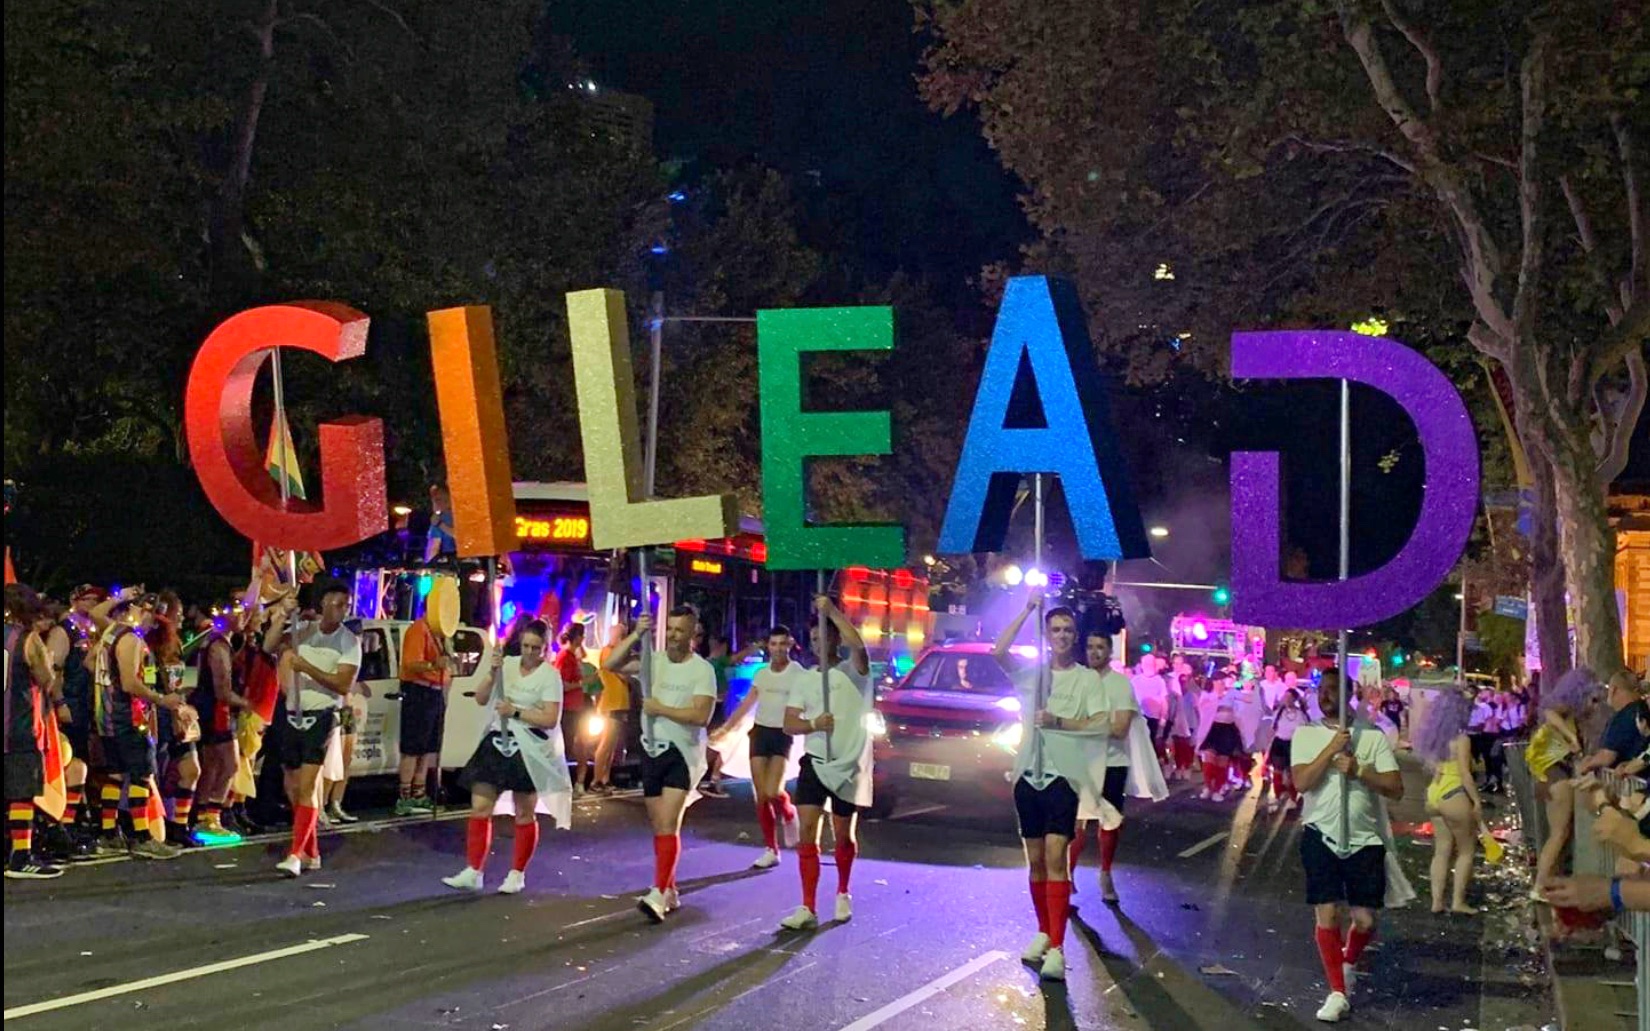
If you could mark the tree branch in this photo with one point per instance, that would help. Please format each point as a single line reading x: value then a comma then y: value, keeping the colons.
x: 1532, y: 78
x: 1419, y: 40
x: 1620, y: 437
x: 396, y: 17
x: 1349, y: 147
x: 1631, y: 334
x: 1589, y: 247
x: 1639, y: 277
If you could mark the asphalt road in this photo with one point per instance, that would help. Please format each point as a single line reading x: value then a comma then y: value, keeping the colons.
x: 1212, y: 933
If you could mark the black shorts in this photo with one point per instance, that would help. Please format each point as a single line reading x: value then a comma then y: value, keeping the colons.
x: 769, y: 743
x: 423, y: 712
x: 1224, y: 739
x: 810, y: 790
x: 128, y: 752
x: 307, y: 735
x: 1115, y: 789
x: 1052, y: 810
x: 669, y: 770
x: 1358, y: 880
x: 499, y: 771
x: 1278, y: 755
x: 25, y: 776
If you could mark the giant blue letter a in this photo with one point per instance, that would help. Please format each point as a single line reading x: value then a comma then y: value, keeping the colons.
x: 1041, y: 319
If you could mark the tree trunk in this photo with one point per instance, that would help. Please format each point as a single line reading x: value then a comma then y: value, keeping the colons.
x: 231, y: 271
x: 1588, y: 546
x: 1547, y: 581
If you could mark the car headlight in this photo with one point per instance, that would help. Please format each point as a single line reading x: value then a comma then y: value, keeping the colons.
x: 1009, y: 738
x: 875, y: 725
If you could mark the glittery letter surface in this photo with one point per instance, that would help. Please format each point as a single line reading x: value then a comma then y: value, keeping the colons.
x: 1071, y: 436
x: 229, y: 458
x: 791, y: 436
x: 619, y: 515
x: 477, y: 446
x: 1259, y: 594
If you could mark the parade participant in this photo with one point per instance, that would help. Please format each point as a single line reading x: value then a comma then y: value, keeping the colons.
x: 1219, y: 741
x: 176, y: 731
x: 836, y: 769
x: 521, y: 755
x: 28, y: 676
x: 1290, y: 717
x: 68, y: 644
x: 770, y: 743
x: 318, y: 668
x: 1059, y: 756
x: 217, y: 701
x: 1120, y: 697
x: 1452, y: 798
x: 1271, y: 688
x: 1151, y: 692
x: 1551, y: 755
x: 260, y: 677
x: 1344, y: 862
x: 350, y: 716
x: 1183, y: 723
x: 724, y: 661
x: 570, y: 665
x: 679, y: 703
x: 1250, y: 709
x: 614, y: 705
x: 426, y: 671
x: 128, y: 692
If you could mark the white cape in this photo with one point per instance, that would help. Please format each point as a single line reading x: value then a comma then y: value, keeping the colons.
x: 1145, y: 779
x: 1399, y: 892
x: 546, y: 760
x: 733, y: 746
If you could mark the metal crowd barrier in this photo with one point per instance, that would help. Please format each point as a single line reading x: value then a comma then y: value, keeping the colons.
x: 1532, y: 815
x: 1599, y: 858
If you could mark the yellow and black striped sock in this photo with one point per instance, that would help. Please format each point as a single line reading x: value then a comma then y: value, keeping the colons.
x: 137, y: 804
x: 183, y: 801
x: 75, y: 798
x: 20, y: 824
x: 109, y: 822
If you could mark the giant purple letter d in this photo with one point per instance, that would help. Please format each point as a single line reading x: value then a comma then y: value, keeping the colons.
x: 1260, y: 596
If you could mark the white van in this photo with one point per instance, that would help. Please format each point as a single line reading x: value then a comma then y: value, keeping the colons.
x: 377, y: 736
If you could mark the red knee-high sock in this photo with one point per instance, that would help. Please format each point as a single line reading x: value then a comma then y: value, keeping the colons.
x: 845, y: 853
x: 667, y: 848
x: 303, y: 828
x: 312, y: 842
x: 1074, y: 851
x: 783, y: 806
x: 1108, y: 848
x: 1058, y: 894
x: 1356, y: 940
x: 1209, y: 782
x: 769, y: 820
x: 807, y: 860
x: 1222, y: 773
x: 478, y: 841
x: 1329, y: 950
x: 1039, y: 902
x: 527, y: 840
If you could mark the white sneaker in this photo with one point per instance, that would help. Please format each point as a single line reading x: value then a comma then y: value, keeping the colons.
x: 1204, y: 794
x: 514, y: 881
x: 578, y: 791
x: 323, y: 819
x: 1054, y: 965
x: 312, y: 863
x: 1220, y: 796
x: 467, y: 879
x: 291, y: 866
x: 1334, y: 1009
x: 792, y: 828
x: 1350, y: 973
x: 1271, y: 806
x: 653, y: 905
x: 801, y: 919
x: 767, y: 860
x: 844, y: 908
x: 1035, y: 951
x: 673, y: 900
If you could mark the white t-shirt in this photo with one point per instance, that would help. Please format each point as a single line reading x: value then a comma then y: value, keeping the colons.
x: 677, y: 684
x: 1074, y: 694
x: 1152, y: 693
x: 1272, y: 692
x: 773, y: 693
x: 848, y: 708
x: 324, y: 651
x: 1117, y: 694
x: 1322, y: 807
x: 531, y: 690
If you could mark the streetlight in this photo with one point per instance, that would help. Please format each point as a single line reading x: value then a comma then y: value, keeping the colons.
x: 1159, y: 531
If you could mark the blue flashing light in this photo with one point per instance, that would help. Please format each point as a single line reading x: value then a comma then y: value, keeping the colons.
x: 659, y: 248
x: 425, y: 581
x: 676, y: 196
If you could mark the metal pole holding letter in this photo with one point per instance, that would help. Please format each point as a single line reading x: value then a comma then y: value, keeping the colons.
x: 824, y: 660
x: 1041, y: 700
x: 644, y: 647
x: 1346, y: 560
x: 283, y: 432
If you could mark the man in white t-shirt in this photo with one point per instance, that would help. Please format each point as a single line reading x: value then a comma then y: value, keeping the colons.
x: 1121, y: 697
x: 770, y: 745
x: 1061, y: 752
x: 680, y: 700
x: 1345, y: 862
x: 836, y: 770
x: 318, y: 669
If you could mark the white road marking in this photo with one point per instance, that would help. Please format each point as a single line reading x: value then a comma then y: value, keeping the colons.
x: 919, y: 810
x: 927, y: 991
x: 1208, y: 842
x: 180, y: 975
